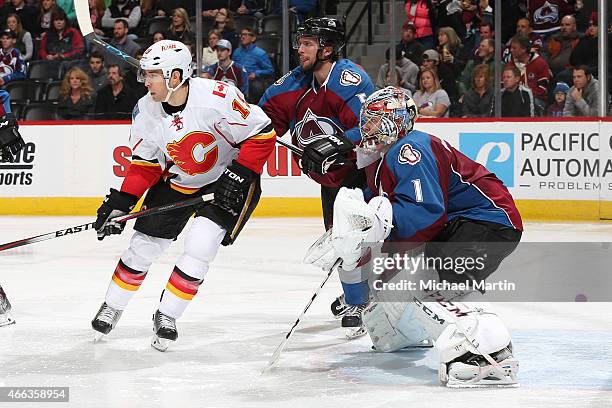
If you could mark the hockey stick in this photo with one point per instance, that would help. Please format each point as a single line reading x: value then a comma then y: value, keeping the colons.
x: 291, y: 147
x: 79, y: 228
x: 281, y: 346
x: 81, y: 8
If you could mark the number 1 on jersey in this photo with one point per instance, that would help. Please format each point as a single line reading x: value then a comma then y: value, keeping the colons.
x: 239, y: 107
x: 418, y: 191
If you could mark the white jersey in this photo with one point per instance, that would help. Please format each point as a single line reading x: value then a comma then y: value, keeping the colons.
x: 194, y: 146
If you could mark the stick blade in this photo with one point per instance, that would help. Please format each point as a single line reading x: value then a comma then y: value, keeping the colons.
x: 81, y: 8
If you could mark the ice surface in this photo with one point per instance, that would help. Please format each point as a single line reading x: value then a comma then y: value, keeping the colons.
x: 252, y: 294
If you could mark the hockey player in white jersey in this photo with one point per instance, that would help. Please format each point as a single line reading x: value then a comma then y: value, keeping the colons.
x: 427, y: 198
x: 188, y: 136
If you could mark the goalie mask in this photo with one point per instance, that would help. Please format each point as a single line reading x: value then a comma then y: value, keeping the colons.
x: 167, y: 56
x: 386, y: 116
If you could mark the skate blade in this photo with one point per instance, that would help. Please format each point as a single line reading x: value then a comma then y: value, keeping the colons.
x: 7, y: 322
x: 159, y: 343
x: 354, y: 332
x: 482, y: 384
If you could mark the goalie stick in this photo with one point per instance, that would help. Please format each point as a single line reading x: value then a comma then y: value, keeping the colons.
x: 281, y: 346
x: 79, y: 228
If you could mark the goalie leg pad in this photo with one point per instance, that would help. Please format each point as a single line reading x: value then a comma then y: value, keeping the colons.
x: 392, y: 326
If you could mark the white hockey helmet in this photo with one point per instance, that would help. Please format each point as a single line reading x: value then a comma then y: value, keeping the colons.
x: 386, y: 115
x: 167, y: 56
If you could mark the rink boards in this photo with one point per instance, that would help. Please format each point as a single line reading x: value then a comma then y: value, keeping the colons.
x: 559, y: 170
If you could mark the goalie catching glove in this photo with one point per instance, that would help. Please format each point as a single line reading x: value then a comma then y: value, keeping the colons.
x: 321, y: 154
x: 232, y: 188
x: 11, y: 141
x: 116, y: 204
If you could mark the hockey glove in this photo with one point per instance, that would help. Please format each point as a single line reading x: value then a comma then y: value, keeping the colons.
x: 232, y: 188
x: 11, y: 141
x: 321, y: 154
x: 116, y: 204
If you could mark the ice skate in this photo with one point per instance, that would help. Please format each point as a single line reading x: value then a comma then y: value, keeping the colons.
x: 353, y: 322
x: 106, y: 319
x: 474, y: 371
x: 164, y: 331
x: 339, y: 307
x: 6, y: 319
x: 5, y: 310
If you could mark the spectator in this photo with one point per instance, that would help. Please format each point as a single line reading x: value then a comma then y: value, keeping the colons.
x: 227, y: 70
x: 446, y: 76
x: 149, y: 9
x: 583, y: 97
x: 68, y: 7
x: 421, y: 13
x: 486, y: 55
x: 96, y: 71
x: 413, y: 50
x: 180, y: 27
x: 431, y: 100
x: 450, y: 14
x: 210, y: 8
x: 524, y: 28
x: 544, y: 14
x: 561, y: 45
x: 44, y: 16
x: 478, y: 100
x: 165, y: 7
x: 115, y: 100
x: 76, y: 95
x: 252, y: 7
x: 122, y: 10
x: 556, y: 108
x: 451, y: 50
x: 60, y: 42
x: 96, y: 12
x: 486, y: 33
x: 399, y: 82
x: 121, y: 42
x: 23, y: 42
x: 224, y: 24
x: 209, y: 55
x: 533, y: 69
x: 12, y: 66
x: 158, y: 36
x: 251, y: 57
x: 26, y: 13
x: 408, y: 72
x: 587, y: 49
x: 517, y: 99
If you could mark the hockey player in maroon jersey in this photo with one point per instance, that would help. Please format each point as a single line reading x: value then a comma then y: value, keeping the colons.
x: 318, y: 102
x: 188, y: 136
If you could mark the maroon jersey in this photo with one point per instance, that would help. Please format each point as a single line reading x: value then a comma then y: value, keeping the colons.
x: 310, y: 111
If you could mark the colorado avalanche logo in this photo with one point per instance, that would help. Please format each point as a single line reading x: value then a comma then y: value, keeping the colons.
x: 348, y: 78
x: 409, y: 155
x: 548, y: 13
x: 313, y: 127
x: 196, y: 153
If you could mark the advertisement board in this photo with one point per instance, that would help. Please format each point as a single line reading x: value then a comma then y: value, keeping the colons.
x: 566, y: 163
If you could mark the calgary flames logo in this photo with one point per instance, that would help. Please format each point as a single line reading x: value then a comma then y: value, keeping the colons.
x: 196, y: 153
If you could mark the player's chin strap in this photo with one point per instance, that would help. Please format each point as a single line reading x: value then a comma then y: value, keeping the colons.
x: 172, y: 90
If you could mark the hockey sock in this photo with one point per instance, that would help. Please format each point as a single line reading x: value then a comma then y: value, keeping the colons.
x: 124, y: 283
x: 181, y: 288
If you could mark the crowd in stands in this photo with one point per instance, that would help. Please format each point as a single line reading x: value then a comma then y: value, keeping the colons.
x: 445, y: 56
x: 549, y: 57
